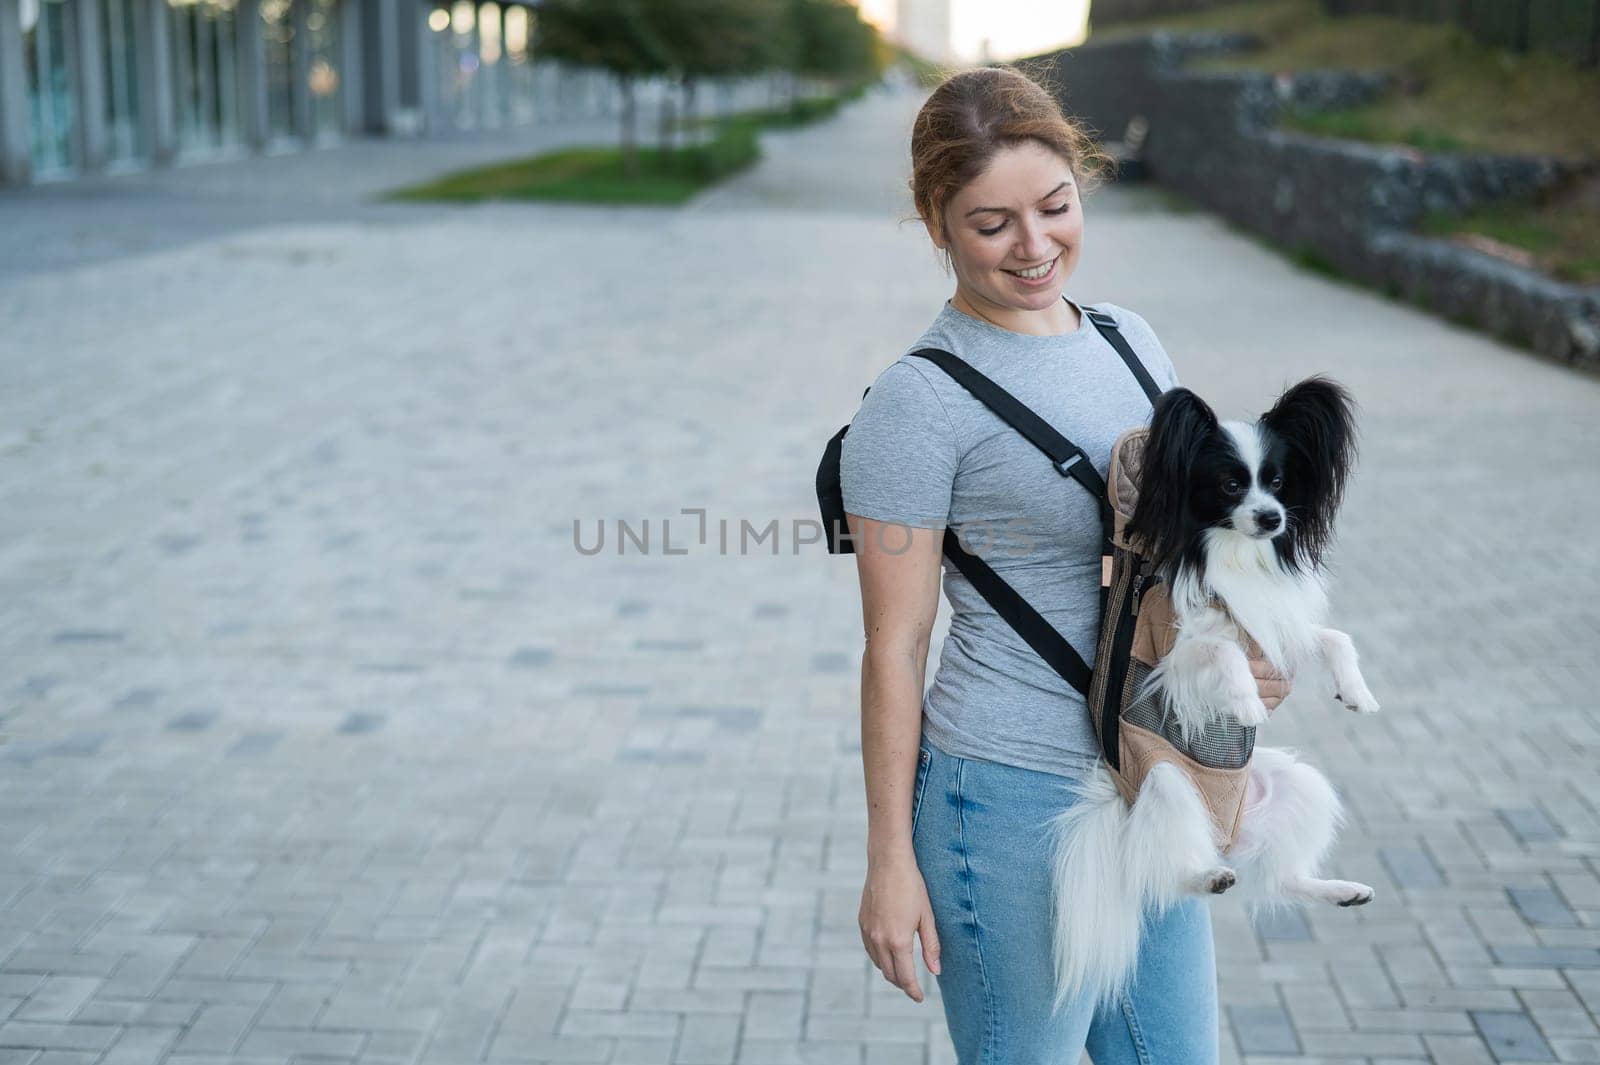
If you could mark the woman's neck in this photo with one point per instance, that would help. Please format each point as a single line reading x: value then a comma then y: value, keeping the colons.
x: 1057, y: 319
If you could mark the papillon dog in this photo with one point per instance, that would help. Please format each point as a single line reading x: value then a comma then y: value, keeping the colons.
x: 1236, y: 518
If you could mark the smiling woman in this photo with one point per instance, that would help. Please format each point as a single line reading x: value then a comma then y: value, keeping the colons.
x: 963, y: 779
x: 1002, y: 200
x: 1010, y: 245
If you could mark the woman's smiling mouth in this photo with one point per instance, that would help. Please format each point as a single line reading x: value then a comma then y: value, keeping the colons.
x: 1036, y: 273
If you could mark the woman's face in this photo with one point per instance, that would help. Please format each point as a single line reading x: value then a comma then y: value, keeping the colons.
x: 1021, y: 214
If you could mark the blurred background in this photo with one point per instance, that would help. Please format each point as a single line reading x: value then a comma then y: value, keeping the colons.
x: 416, y: 641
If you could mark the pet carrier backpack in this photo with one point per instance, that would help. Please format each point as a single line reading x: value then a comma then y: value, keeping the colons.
x: 1136, y: 617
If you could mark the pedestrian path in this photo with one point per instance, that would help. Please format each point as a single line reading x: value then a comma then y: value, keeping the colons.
x: 333, y: 738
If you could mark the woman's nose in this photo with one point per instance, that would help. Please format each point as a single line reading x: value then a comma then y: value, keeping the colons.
x: 1032, y: 242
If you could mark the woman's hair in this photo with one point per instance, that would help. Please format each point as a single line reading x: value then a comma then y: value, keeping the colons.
x: 974, y: 114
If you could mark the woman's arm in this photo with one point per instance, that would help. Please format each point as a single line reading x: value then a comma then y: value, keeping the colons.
x: 899, y: 571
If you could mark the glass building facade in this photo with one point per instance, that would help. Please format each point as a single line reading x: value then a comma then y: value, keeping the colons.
x: 48, y: 62
x: 206, y: 76
x: 103, y: 85
x: 126, y: 143
x: 278, y: 46
x: 484, y: 61
x: 324, y: 60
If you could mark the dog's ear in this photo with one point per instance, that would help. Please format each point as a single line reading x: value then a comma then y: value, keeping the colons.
x: 1316, y: 420
x: 1179, y: 427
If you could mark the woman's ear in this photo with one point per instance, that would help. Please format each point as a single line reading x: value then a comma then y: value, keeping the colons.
x: 936, y: 234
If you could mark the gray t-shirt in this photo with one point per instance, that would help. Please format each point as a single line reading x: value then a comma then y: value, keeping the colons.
x: 922, y: 451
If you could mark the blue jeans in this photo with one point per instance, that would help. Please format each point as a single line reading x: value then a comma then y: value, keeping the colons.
x: 980, y: 830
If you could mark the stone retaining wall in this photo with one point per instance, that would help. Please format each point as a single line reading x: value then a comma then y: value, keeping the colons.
x: 1213, y: 137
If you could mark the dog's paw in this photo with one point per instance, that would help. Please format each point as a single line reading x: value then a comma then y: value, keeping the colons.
x: 1250, y: 712
x: 1360, y: 700
x: 1214, y: 881
x: 1356, y: 895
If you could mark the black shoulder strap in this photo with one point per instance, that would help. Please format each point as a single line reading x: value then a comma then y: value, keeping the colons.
x: 1019, y: 614
x: 1108, y: 329
x: 1068, y: 458
x: 1070, y: 461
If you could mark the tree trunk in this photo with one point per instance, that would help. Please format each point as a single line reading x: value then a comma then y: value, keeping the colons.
x: 689, y: 87
x: 630, y: 148
x: 667, y: 117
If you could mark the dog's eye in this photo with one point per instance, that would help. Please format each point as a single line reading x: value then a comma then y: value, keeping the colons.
x: 1276, y: 483
x: 1232, y: 486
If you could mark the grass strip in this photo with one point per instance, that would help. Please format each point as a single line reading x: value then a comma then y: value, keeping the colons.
x: 665, y: 177
x: 1451, y: 94
x: 1558, y: 237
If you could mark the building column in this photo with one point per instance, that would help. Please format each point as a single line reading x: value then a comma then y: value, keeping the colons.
x: 487, y: 80
x: 350, y: 78
x: 158, y: 105
x: 93, y: 138
x: 252, y: 75
x: 16, y: 166
x: 380, y: 54
x: 429, y: 102
x: 413, y: 23
x: 300, y: 71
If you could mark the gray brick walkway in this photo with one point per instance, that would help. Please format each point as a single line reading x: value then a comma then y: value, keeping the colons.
x: 327, y: 744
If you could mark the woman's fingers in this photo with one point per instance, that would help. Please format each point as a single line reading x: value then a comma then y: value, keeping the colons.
x: 930, y: 941
x: 889, y: 932
x: 1271, y: 685
x: 905, y: 972
x: 894, y: 963
x: 897, y: 965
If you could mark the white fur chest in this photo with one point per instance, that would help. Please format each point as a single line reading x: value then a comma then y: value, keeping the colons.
x: 1281, y: 610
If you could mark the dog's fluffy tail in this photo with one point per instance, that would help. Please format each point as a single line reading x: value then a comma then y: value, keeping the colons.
x: 1097, y: 910
x: 1112, y: 865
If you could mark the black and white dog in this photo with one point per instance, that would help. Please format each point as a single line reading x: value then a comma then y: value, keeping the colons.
x: 1236, y: 518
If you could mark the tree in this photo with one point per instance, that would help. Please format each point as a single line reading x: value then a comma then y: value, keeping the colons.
x: 614, y: 35
x: 832, y: 41
x: 720, y: 38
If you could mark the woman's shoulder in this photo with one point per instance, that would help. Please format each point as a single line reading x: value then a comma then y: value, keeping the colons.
x: 912, y: 379
x: 1123, y: 316
x: 905, y: 393
x: 898, y: 459
x: 1143, y: 339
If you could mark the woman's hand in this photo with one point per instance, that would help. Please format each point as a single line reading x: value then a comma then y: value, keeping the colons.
x: 894, y: 908
x: 1271, y: 685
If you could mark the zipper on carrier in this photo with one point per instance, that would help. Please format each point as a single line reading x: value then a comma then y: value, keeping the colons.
x: 1140, y: 578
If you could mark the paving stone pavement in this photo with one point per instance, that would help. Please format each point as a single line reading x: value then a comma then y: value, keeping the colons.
x: 328, y: 742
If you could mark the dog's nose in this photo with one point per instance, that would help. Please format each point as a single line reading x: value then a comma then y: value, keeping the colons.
x: 1268, y: 520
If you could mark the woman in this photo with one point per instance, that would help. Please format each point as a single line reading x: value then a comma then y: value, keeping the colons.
x: 957, y: 833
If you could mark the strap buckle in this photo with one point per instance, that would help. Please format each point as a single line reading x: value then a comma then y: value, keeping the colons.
x: 1064, y: 468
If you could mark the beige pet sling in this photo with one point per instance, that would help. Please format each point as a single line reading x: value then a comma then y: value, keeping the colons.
x: 1137, y: 631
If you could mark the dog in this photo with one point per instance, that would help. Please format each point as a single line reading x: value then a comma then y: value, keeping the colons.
x: 1236, y: 517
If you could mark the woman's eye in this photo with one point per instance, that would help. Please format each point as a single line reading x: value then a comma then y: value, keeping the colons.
x: 993, y: 231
